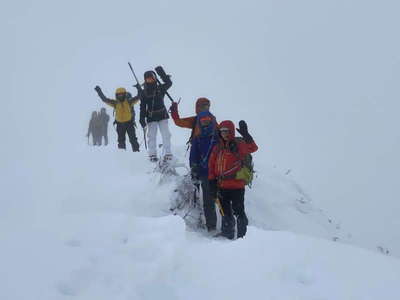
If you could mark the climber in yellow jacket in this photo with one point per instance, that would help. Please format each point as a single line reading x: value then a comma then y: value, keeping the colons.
x: 124, y: 115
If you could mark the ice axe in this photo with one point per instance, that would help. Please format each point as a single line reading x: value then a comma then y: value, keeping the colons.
x: 220, y: 207
x: 134, y: 75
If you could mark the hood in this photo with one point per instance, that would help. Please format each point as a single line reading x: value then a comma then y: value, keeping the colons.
x: 148, y: 74
x: 228, y: 124
x: 200, y: 102
x: 120, y: 90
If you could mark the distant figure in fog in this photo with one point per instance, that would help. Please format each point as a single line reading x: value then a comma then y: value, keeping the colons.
x: 94, y: 129
x: 104, y: 118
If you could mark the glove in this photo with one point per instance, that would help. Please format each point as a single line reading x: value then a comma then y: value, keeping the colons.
x: 160, y: 71
x: 213, y: 188
x: 100, y: 92
x: 174, y: 107
x: 244, y: 132
x: 142, y: 122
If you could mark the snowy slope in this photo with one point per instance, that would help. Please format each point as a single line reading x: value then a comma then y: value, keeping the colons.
x: 102, y: 230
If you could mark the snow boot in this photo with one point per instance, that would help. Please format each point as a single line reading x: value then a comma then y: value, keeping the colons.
x: 228, y: 227
x: 153, y: 158
x: 242, y: 223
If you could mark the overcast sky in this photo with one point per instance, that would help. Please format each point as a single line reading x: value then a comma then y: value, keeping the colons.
x: 317, y: 81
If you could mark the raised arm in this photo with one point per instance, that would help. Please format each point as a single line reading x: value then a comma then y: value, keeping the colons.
x: 181, y: 122
x: 249, y: 146
x: 103, y: 98
x: 165, y: 78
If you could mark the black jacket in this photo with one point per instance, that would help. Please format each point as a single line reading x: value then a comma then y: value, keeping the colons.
x: 152, y: 107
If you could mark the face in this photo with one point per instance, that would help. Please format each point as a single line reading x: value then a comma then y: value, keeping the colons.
x: 225, y: 133
x: 121, y: 96
x: 150, y: 80
x: 204, y: 107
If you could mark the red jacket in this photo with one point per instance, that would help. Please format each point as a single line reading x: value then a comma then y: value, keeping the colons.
x: 224, y: 162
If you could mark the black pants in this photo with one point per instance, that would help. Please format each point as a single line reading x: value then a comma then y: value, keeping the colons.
x: 208, y: 204
x: 232, y: 202
x: 122, y: 129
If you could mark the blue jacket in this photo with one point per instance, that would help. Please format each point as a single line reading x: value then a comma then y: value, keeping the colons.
x: 202, y: 145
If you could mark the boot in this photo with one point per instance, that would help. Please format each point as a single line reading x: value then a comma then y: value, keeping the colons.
x: 228, y: 227
x: 153, y: 158
x: 121, y: 146
x: 242, y: 222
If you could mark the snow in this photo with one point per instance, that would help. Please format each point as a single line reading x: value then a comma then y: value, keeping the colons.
x: 318, y: 85
x: 103, y: 230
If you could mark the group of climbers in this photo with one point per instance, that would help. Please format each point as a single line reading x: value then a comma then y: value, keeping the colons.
x: 217, y: 158
x: 98, y: 127
x: 153, y: 113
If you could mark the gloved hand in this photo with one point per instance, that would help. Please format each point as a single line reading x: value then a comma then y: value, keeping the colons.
x: 142, y: 122
x: 100, y: 92
x: 174, y: 107
x: 213, y: 188
x: 243, y: 130
x: 160, y: 71
x: 97, y: 89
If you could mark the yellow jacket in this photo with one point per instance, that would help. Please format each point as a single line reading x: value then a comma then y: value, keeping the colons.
x: 124, y: 110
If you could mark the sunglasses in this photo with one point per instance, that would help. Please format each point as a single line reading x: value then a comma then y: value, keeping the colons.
x: 224, y: 130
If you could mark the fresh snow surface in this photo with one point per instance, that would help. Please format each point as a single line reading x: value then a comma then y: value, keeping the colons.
x: 101, y: 229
